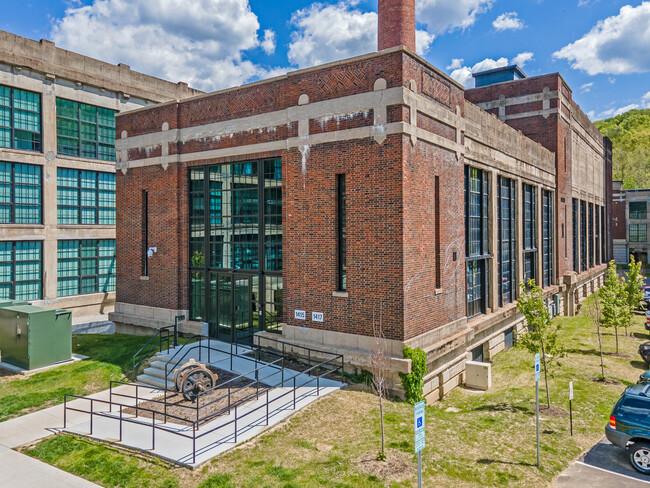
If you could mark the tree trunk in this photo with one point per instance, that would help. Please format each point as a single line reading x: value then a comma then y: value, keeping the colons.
x: 616, y: 334
x: 548, y: 397
x: 381, y: 415
x: 600, y: 346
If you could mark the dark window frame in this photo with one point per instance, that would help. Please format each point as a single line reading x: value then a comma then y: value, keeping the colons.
x: 547, y: 238
x: 79, y: 206
x: 583, y: 236
x: 37, y: 142
x: 81, y: 141
x: 507, y: 228
x: 597, y: 237
x: 12, y: 194
x: 341, y: 221
x: 638, y: 232
x: 201, y: 268
x: 529, y: 224
x: 13, y: 263
x: 638, y: 213
x: 575, y: 237
x: 80, y: 259
x: 476, y: 241
x: 590, y: 234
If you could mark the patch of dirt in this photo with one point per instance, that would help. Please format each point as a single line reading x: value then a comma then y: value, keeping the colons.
x: 6, y: 375
x: 394, y: 468
x: 606, y: 381
x: 183, y: 412
x: 553, y: 411
x: 300, y: 364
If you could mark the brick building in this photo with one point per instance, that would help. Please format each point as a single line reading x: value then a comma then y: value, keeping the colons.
x: 630, y: 219
x: 371, y: 189
x: 57, y: 171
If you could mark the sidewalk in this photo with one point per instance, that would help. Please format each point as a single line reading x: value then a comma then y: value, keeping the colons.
x: 21, y: 471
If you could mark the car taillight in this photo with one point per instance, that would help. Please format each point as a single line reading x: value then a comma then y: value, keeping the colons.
x: 612, y: 422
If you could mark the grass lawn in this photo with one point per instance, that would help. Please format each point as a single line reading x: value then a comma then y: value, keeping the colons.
x: 111, y: 358
x: 473, y: 439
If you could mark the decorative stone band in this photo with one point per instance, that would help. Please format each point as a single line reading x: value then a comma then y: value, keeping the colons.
x: 377, y: 101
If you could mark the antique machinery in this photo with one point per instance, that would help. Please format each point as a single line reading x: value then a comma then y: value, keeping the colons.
x: 193, y: 378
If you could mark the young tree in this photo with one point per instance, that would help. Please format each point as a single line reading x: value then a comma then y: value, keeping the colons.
x: 614, y: 306
x: 542, y: 335
x: 633, y: 288
x: 597, y: 318
x: 379, y: 363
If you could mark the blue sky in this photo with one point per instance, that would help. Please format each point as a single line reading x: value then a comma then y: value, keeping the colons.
x: 601, y: 47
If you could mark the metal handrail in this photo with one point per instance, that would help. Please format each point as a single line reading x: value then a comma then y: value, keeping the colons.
x: 196, y: 423
x: 159, y: 336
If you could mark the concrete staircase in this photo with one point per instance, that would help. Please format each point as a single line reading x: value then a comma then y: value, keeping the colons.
x: 154, y: 373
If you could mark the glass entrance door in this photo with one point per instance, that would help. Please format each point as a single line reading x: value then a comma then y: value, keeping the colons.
x: 230, y: 312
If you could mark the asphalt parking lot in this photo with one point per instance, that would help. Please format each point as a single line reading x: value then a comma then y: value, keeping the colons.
x: 603, y: 466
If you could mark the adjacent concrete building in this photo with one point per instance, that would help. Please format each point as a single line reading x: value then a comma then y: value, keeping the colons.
x: 630, y: 219
x: 57, y: 171
x: 371, y: 190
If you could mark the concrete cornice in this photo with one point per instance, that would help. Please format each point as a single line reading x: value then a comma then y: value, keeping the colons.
x: 53, y: 62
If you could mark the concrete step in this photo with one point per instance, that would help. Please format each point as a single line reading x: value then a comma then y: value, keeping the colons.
x: 158, y: 373
x: 153, y: 381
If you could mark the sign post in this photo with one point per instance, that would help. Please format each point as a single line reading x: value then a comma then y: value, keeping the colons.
x: 537, y: 377
x: 420, y: 442
x: 570, y: 406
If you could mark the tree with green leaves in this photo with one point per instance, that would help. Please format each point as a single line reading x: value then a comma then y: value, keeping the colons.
x: 614, y: 307
x: 633, y: 288
x: 597, y: 317
x: 542, y: 335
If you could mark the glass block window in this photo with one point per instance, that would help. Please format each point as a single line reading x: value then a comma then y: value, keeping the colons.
x: 547, y: 237
x: 85, y: 130
x: 507, y: 205
x: 85, y: 197
x: 638, y: 210
x: 530, y: 232
x: 20, y: 194
x: 476, y: 230
x: 638, y: 232
x: 85, y: 266
x: 21, y: 265
x: 20, y: 119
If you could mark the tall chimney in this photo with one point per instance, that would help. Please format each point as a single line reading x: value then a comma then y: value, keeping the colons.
x: 396, y: 24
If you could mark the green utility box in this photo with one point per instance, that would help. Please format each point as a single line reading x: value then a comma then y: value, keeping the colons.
x: 34, y: 337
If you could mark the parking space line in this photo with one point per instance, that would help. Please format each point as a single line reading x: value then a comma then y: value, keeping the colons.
x: 613, y: 472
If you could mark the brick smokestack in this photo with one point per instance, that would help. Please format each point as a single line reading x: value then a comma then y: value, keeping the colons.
x: 397, y: 24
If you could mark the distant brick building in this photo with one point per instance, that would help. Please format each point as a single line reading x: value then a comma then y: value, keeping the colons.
x: 374, y: 188
x: 630, y: 219
x: 57, y: 171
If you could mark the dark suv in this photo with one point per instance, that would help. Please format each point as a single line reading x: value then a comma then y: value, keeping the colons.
x: 629, y: 425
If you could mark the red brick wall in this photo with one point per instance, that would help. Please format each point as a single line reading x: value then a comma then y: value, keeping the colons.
x: 396, y: 24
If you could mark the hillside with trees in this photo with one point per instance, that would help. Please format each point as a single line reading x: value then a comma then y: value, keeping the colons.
x: 630, y: 135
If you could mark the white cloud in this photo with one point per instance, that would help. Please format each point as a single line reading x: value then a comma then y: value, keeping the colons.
x: 646, y: 100
x: 456, y: 63
x: 447, y: 15
x: 617, y: 45
x: 508, y: 21
x: 268, y: 43
x: 463, y: 74
x: 522, y: 59
x: 586, y: 88
x: 591, y: 114
x: 199, y: 42
x: 328, y: 32
x: 613, y: 112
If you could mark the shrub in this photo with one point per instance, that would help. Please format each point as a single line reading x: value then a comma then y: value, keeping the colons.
x: 413, y: 382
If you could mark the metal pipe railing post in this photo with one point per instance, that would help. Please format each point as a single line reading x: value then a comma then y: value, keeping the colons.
x: 318, y: 385
x: 267, y: 407
x: 65, y: 411
x: 137, y: 402
x: 120, y: 425
x: 153, y: 432
x: 294, y: 392
x: 193, y: 446
x: 91, y: 416
x: 235, y: 425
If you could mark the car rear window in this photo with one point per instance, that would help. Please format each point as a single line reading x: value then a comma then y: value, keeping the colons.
x: 634, y: 410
